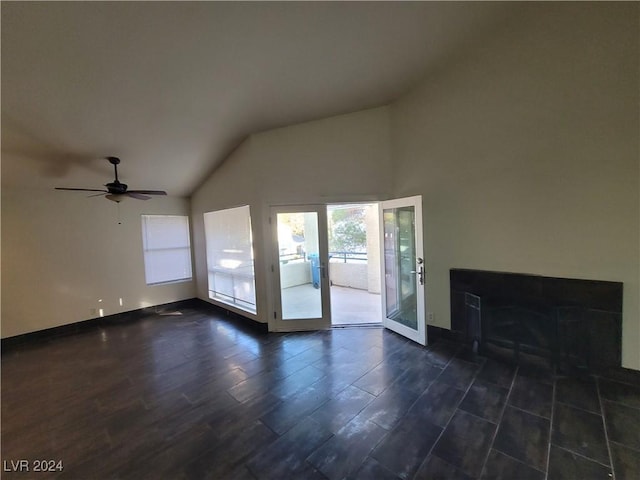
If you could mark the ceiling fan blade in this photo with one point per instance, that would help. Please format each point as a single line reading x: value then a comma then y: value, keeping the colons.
x: 97, y: 194
x: 148, y: 192
x: 82, y: 189
x: 137, y: 195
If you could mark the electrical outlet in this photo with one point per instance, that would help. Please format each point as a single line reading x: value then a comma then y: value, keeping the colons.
x: 431, y: 316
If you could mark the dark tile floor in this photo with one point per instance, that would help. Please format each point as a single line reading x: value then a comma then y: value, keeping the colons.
x: 197, y: 396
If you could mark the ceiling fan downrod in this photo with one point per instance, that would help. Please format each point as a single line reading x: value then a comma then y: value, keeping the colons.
x: 114, y: 161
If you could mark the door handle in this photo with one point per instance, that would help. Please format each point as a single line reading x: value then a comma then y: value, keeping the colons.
x: 420, y: 273
x: 323, y: 270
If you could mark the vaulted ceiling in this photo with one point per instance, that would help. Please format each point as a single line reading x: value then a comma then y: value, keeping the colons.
x: 173, y: 87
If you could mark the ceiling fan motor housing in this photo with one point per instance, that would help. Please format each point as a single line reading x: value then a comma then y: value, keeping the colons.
x: 116, y: 188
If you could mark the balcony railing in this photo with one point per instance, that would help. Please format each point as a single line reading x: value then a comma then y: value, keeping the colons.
x: 347, y: 257
x: 341, y: 256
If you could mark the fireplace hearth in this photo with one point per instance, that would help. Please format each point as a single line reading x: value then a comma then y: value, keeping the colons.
x: 555, y: 323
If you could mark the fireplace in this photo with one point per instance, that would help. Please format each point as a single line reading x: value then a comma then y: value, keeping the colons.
x: 560, y: 323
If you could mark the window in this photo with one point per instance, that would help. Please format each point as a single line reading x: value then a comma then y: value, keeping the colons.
x: 230, y: 257
x: 167, y: 250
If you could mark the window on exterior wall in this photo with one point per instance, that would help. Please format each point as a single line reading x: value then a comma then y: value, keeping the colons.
x: 167, y: 249
x: 230, y: 257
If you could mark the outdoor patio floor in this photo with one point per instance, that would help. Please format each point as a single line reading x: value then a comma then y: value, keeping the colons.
x: 349, y: 306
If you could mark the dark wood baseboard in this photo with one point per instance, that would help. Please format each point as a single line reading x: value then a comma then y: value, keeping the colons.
x: 624, y: 375
x: 47, y: 334
x: 438, y: 333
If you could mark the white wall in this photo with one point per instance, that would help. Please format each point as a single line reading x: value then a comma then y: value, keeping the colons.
x: 334, y: 159
x: 339, y: 159
x: 526, y: 153
x: 65, y: 256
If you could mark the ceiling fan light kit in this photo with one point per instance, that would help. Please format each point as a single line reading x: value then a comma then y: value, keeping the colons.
x: 114, y: 198
x: 116, y: 191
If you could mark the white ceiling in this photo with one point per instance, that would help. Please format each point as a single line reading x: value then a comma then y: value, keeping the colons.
x: 173, y: 87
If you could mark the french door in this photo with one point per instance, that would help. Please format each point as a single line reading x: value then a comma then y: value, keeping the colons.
x: 300, y: 268
x: 403, y: 267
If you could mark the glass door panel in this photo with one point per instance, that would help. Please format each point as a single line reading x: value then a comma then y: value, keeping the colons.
x: 302, y: 301
x: 403, y: 269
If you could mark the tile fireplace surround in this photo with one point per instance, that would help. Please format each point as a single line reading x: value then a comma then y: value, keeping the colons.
x: 556, y: 323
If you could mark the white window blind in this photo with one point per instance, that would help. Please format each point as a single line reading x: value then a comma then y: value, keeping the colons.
x: 230, y: 257
x: 167, y: 249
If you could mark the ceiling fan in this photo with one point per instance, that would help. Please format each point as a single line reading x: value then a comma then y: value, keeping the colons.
x: 116, y: 189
